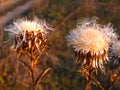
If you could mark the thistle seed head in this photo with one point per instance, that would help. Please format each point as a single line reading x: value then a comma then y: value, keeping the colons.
x: 29, y: 36
x: 115, y: 52
x: 91, y: 42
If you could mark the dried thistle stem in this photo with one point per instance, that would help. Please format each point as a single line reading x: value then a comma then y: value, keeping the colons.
x: 33, y: 79
x: 88, y: 86
x: 32, y: 74
x: 114, y: 78
x: 88, y: 72
x: 30, y: 38
x: 97, y: 83
x: 88, y: 75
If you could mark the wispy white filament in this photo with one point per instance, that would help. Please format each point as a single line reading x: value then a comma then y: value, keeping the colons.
x: 115, y: 52
x: 20, y: 26
x: 115, y: 49
x: 91, y: 37
x: 28, y: 33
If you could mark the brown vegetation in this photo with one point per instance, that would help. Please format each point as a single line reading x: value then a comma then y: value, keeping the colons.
x: 62, y: 14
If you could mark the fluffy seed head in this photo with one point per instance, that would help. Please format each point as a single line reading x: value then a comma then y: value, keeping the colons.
x: 115, y: 52
x: 116, y: 49
x: 91, y: 42
x: 20, y: 26
x: 29, y: 36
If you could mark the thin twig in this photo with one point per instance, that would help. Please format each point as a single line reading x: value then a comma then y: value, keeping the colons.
x: 31, y: 73
x: 98, y: 83
x: 33, y: 79
x: 7, y: 41
x: 114, y: 79
x: 1, y: 35
x: 41, y: 75
x: 90, y: 79
x: 67, y: 17
x: 88, y: 86
x: 26, y: 65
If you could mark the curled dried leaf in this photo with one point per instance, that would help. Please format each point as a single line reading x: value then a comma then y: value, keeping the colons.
x: 41, y: 75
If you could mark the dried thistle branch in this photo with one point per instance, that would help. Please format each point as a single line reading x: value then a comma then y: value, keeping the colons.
x: 114, y: 76
x: 91, y: 42
x: 30, y: 38
x: 88, y: 86
x: 97, y: 83
x: 26, y: 65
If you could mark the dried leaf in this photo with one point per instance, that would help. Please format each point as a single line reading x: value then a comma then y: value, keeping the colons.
x: 79, y: 71
x: 41, y: 75
x: 26, y: 65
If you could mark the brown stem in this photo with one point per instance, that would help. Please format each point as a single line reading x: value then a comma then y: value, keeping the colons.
x: 31, y: 70
x: 92, y: 79
x: 88, y: 75
x: 114, y: 78
x: 32, y: 74
x: 88, y: 86
x: 33, y: 79
x: 98, y: 83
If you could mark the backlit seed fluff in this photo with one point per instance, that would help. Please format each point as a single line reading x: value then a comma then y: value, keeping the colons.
x: 115, y: 52
x: 91, y: 42
x: 29, y: 35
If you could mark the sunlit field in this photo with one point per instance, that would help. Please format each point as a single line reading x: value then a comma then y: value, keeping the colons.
x: 59, y: 45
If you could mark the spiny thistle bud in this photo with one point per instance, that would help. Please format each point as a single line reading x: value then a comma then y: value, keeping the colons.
x: 115, y: 52
x: 29, y: 36
x: 91, y: 42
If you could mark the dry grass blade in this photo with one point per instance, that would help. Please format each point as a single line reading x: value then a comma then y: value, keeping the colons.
x: 79, y: 71
x: 26, y: 65
x: 68, y: 17
x: 7, y: 41
x: 41, y: 75
x: 1, y: 35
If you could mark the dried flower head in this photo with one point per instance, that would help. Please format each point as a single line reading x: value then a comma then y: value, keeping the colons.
x: 91, y: 42
x: 115, y: 52
x: 29, y: 36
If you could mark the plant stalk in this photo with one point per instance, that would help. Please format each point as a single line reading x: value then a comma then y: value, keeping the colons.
x: 33, y: 79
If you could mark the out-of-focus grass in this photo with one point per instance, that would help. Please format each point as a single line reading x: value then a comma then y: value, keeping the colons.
x: 62, y: 76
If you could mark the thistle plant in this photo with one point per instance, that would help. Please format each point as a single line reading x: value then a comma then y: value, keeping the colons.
x: 115, y: 60
x: 115, y: 52
x: 30, y: 38
x: 91, y: 43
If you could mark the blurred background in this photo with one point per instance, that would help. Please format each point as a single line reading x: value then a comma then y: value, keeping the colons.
x: 61, y: 15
